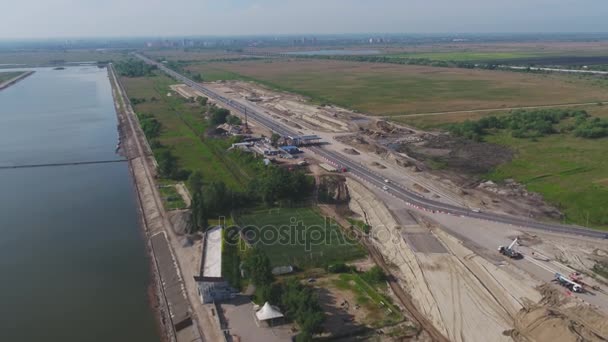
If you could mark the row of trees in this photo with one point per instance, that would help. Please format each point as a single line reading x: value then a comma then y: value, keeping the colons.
x: 134, y: 68
x: 150, y: 126
x: 532, y: 124
x: 406, y: 61
x: 218, y: 116
x: 215, y: 199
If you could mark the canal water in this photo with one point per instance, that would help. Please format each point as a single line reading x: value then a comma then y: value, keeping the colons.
x: 73, y: 265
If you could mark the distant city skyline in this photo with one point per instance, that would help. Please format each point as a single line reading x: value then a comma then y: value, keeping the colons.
x: 137, y: 18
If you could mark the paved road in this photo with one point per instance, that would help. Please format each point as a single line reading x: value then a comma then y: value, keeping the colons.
x: 369, y: 176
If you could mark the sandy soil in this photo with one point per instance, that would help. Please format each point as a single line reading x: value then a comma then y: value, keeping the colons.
x: 290, y: 107
x: 464, y: 295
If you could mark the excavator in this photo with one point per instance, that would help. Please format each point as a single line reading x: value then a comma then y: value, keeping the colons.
x: 509, y: 251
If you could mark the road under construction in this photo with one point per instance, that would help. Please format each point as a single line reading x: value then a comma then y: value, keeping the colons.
x: 371, y: 177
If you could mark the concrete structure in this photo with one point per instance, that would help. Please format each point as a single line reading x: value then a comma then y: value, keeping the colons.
x: 212, y: 286
x: 301, y: 140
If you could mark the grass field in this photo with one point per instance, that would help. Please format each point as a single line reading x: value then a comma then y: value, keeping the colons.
x: 43, y: 57
x: 314, y: 242
x: 183, y: 131
x: 569, y: 172
x: 5, y: 76
x: 381, y: 311
x: 463, y: 56
x: 171, y: 198
x: 387, y: 89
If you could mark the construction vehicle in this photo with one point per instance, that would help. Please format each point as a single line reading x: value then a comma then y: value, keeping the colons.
x: 510, y: 251
x: 565, y: 282
x: 578, y: 278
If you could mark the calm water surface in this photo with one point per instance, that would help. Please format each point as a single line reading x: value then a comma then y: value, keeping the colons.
x: 72, y: 259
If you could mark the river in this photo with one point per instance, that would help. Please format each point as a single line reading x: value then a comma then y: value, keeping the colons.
x: 73, y: 265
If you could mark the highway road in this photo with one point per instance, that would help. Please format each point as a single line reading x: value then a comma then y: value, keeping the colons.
x: 369, y: 176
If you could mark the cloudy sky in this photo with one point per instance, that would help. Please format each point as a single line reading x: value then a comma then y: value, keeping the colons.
x: 86, y: 18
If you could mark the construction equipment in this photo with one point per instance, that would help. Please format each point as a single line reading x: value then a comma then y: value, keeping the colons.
x: 510, y: 251
x: 578, y: 278
x: 565, y: 282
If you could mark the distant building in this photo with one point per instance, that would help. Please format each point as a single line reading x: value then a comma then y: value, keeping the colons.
x: 212, y: 286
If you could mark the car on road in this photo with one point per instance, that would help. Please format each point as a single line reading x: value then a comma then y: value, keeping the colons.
x: 385, y: 188
x: 386, y: 181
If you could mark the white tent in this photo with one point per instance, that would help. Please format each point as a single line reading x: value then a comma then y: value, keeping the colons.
x: 268, y: 312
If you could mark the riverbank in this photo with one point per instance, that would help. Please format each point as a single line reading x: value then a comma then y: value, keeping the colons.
x: 177, y: 312
x: 14, y: 80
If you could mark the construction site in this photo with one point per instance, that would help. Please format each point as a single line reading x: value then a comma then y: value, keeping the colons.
x: 452, y: 274
x: 468, y: 278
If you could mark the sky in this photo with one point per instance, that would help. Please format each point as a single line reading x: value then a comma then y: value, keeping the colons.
x: 116, y: 18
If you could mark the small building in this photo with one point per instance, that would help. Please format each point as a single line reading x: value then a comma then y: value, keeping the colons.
x: 212, y: 286
x: 302, y: 140
x: 290, y: 149
x: 328, y: 167
x: 269, y: 314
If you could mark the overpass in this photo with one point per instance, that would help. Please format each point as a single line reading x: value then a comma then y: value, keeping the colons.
x: 360, y: 171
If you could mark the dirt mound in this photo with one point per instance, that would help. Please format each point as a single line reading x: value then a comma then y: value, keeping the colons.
x: 333, y: 190
x: 378, y: 165
x: 555, y: 318
x: 458, y: 154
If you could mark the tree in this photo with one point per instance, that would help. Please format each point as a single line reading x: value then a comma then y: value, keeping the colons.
x: 375, y: 275
x: 233, y: 120
x: 274, y: 139
x: 218, y: 199
x: 198, y: 213
x: 257, y: 266
x: 219, y: 115
x: 203, y: 100
x: 198, y: 78
x: 167, y: 164
x: 195, y: 181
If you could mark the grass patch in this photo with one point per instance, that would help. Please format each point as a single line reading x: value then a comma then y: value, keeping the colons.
x: 5, y: 76
x: 381, y: 309
x: 387, y: 89
x: 299, y: 236
x: 566, y: 170
x: 171, y: 198
x: 362, y: 226
x: 183, y: 130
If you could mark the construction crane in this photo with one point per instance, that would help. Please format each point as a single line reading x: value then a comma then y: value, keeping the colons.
x: 510, y: 251
x: 565, y: 282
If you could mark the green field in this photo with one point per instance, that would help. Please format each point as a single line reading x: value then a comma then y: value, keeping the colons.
x: 464, y: 56
x: 381, y: 311
x: 184, y: 132
x: 569, y: 172
x: 389, y: 89
x: 5, y: 76
x: 285, y: 240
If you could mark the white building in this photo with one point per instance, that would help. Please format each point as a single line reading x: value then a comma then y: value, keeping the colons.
x: 212, y: 286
